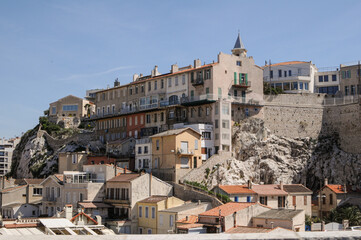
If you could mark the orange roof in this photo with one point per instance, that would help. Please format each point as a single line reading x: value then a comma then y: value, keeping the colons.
x: 87, y: 216
x: 188, y: 226
x: 336, y: 188
x: 236, y: 189
x: 227, y: 209
x: 21, y: 225
x: 191, y: 219
x: 60, y: 177
x: 269, y: 190
x: 121, y: 177
x: 287, y: 63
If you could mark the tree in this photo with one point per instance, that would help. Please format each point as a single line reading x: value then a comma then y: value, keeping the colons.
x: 347, y: 211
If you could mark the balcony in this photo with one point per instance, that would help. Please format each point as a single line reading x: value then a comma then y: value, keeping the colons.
x: 49, y: 199
x: 242, y: 84
x: 117, y: 201
x: 198, y: 100
x: 245, y: 101
x: 293, y: 77
x: 198, y: 82
x: 185, y: 152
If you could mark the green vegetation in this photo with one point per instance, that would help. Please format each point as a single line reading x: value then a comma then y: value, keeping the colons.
x: 347, y: 211
x: 309, y: 220
x: 222, y: 197
x: 207, y: 172
x: 48, y: 126
x: 268, y: 90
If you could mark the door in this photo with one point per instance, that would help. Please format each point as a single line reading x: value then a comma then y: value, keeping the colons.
x: 248, y: 198
x: 236, y: 198
x: 184, y: 162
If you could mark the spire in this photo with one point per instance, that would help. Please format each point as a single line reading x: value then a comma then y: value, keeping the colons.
x: 238, y: 43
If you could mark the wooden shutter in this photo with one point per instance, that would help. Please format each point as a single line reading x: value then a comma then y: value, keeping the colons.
x: 235, y: 78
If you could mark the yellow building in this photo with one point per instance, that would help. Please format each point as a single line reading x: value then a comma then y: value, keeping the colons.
x: 175, y: 153
x: 148, y: 216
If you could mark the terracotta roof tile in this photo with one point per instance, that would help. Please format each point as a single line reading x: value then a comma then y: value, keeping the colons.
x: 269, y: 190
x: 236, y: 189
x: 227, y: 209
x: 287, y: 63
x: 33, y: 180
x: 87, y: 216
x: 124, y: 177
x: 336, y: 188
x: 191, y: 219
x: 60, y: 177
x: 21, y: 225
x: 189, y: 226
x: 94, y: 205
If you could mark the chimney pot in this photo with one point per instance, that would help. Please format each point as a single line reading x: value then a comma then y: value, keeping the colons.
x: 281, y: 185
x: 326, y: 181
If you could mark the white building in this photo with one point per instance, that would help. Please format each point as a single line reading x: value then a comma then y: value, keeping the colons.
x: 207, y: 140
x: 327, y: 80
x: 143, y: 154
x: 292, y: 77
x: 6, y: 154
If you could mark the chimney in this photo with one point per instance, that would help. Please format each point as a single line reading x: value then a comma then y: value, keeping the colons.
x: 125, y: 169
x: 99, y: 219
x: 281, y: 185
x: 68, y: 211
x: 187, y: 218
x: 249, y: 184
x: 197, y: 63
x: 155, y: 71
x: 344, y: 188
x: 135, y: 77
x: 326, y: 181
x: 174, y: 68
x: 116, y: 83
x: 141, y: 75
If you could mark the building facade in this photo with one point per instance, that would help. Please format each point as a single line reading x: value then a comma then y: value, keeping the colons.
x: 6, y: 154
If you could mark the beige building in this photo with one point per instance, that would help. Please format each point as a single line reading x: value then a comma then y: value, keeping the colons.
x: 350, y: 79
x: 149, y: 215
x: 71, y: 161
x: 169, y: 219
x: 299, y: 197
x: 285, y: 218
x: 124, y: 191
x: 272, y: 195
x: 175, y: 152
x: 6, y: 154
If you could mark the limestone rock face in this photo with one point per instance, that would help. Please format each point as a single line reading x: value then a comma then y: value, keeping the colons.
x: 262, y: 157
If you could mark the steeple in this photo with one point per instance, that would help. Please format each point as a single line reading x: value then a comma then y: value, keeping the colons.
x: 238, y: 48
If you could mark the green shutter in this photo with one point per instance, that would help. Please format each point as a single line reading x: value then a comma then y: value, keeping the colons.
x: 240, y: 78
x: 235, y: 78
x: 219, y: 92
x: 246, y: 79
x: 343, y: 74
x: 207, y: 90
x: 349, y: 73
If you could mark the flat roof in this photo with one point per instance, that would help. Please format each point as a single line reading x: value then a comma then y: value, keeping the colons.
x: 284, y: 214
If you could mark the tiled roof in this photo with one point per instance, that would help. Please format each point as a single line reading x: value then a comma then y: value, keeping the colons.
x: 21, y: 225
x: 336, y: 188
x: 287, y: 63
x: 227, y: 209
x: 94, y: 205
x: 33, y: 180
x: 236, y: 189
x: 124, y: 177
x: 153, y: 199
x: 243, y: 229
x: 285, y: 214
x: 269, y: 190
x: 60, y: 177
x: 174, y: 132
x: 13, y: 188
x: 191, y: 219
x: 87, y: 216
x: 296, y: 188
x: 189, y: 226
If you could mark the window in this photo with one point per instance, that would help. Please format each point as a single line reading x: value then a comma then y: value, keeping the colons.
x: 346, y: 90
x: 81, y: 196
x: 153, y: 212
x: 271, y: 74
x: 155, y: 117
x: 183, y: 79
x: 207, y: 111
x: 140, y: 164
x: 353, y: 90
x: 140, y: 211
x: 145, y: 149
x: 169, y: 82
x: 157, y: 143
x: 199, y: 111
x: 149, y: 86
x: 225, y: 109
x: 279, y: 73
x: 162, y: 83
x: 219, y: 92
x: 206, y: 135
x: 346, y: 74
x: 140, y: 230
x: 216, y: 123
x: 146, y: 212
x: 246, y: 112
x: 70, y: 108
x: 325, y: 78
x: 196, y: 144
x: 305, y: 200
x: 207, y: 90
x: 306, y: 86
x: 285, y: 73
x: 142, y: 88
x: 331, y: 199
x: 192, y: 77
x: 176, y: 80
x: 334, y: 78
x: 147, y: 118
x: 323, y: 200
x: 162, y: 116
x: 235, y: 92
x: 130, y: 91
x: 136, y: 120
x: 192, y: 112
x: 136, y: 89
x: 239, y: 63
x: 37, y: 191
x: 139, y: 150
x: 74, y: 158
x: 155, y: 85
x: 294, y: 200
x: 171, y: 221
x: 320, y: 78
x: 225, y: 124
x: 294, y: 86
x: 53, y: 110
x: 281, y: 202
x: 161, y: 219
x: 301, y: 85
x: 149, y: 231
x: 263, y: 200
x: 289, y: 72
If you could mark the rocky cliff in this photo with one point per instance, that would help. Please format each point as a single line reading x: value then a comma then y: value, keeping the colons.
x: 263, y: 157
x: 36, y: 155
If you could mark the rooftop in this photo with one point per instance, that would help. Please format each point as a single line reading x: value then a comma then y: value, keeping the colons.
x: 235, y: 189
x: 191, y: 219
x: 284, y: 214
x: 189, y: 226
x: 13, y: 188
x: 174, y: 132
x: 94, y: 205
x: 128, y: 177
x: 227, y: 209
x: 287, y: 63
x: 184, y: 207
x: 243, y: 229
x: 296, y: 188
x: 269, y: 189
x: 33, y: 180
x: 153, y: 199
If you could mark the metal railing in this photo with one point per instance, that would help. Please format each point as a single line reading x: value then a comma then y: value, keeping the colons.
x: 185, y: 151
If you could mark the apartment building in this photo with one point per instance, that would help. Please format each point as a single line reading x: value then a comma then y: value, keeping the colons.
x: 143, y: 154
x: 148, y: 212
x: 350, y: 79
x: 6, y: 154
x: 124, y: 191
x: 217, y: 93
x: 175, y: 152
x: 291, y: 77
x: 71, y: 161
x: 327, y: 80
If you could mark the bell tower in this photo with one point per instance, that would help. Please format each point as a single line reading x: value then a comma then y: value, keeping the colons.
x: 238, y: 48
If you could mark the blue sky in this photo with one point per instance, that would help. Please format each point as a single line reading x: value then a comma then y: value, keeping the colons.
x: 50, y: 49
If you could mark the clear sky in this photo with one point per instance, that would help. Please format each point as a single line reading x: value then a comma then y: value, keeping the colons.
x: 50, y: 49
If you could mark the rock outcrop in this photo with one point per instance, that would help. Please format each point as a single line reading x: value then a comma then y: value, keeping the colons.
x: 263, y: 157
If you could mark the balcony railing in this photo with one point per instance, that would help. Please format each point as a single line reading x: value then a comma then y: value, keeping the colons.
x: 245, y: 100
x: 49, y: 198
x: 242, y: 84
x: 198, y: 82
x: 181, y: 151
